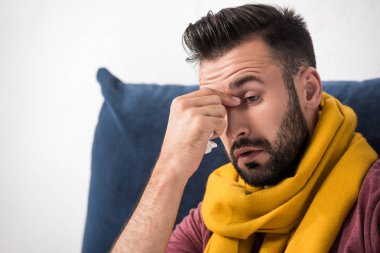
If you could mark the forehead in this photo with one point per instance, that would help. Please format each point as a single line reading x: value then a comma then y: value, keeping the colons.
x: 252, y: 58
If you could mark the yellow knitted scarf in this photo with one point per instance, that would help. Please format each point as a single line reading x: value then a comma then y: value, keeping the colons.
x: 303, y: 213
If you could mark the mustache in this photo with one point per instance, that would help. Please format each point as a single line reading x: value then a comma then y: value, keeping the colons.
x: 246, y: 142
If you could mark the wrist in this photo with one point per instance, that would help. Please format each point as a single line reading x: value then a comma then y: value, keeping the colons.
x: 170, y: 171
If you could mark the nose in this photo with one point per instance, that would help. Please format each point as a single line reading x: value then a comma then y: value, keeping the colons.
x: 237, y: 123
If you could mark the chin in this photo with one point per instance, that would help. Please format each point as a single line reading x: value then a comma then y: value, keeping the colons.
x: 261, y: 175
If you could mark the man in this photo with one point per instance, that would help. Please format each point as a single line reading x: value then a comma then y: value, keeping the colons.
x: 300, y: 178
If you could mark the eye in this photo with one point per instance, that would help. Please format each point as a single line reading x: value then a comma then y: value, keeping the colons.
x: 251, y: 99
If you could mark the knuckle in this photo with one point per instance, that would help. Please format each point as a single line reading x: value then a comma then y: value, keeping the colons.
x: 221, y: 123
x: 175, y: 101
x: 207, y: 90
x: 192, y: 113
x: 198, y: 121
x: 216, y: 98
x: 222, y: 109
x: 180, y: 103
x: 219, y: 110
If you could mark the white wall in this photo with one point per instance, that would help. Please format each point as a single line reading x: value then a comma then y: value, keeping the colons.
x: 49, y: 98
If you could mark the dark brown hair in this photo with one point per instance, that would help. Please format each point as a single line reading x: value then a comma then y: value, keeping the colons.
x: 284, y: 32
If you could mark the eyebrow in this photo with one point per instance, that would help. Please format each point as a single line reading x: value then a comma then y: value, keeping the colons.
x: 243, y: 80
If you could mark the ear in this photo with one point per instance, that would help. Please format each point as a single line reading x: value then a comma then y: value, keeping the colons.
x: 311, y: 88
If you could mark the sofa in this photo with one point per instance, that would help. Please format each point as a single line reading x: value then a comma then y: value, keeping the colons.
x: 128, y: 137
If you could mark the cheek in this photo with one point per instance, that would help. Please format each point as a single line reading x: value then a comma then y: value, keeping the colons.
x: 272, y: 118
x: 275, y: 117
x: 267, y: 119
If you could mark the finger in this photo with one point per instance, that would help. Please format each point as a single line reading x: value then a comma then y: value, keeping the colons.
x: 218, y: 124
x: 211, y: 111
x: 205, y: 100
x: 227, y: 99
x: 184, y: 104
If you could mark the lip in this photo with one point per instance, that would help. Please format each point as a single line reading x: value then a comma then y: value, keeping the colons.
x: 247, y: 154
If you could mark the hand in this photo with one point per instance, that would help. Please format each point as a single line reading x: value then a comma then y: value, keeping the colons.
x: 193, y: 118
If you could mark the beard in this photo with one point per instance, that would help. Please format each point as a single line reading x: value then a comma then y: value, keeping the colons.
x: 285, y: 152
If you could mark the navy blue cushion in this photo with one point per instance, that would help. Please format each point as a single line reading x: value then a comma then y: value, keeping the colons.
x: 128, y: 137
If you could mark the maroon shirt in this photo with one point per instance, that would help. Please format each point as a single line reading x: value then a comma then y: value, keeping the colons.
x: 360, y: 231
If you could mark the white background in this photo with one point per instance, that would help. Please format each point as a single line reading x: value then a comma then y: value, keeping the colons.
x: 49, y: 99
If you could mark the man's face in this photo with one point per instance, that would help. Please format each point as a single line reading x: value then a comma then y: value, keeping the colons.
x: 267, y: 133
